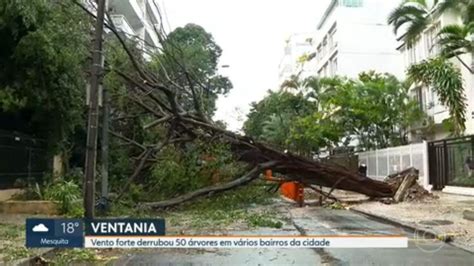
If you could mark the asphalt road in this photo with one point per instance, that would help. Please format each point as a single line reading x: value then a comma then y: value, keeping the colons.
x: 419, y: 252
x: 315, y: 221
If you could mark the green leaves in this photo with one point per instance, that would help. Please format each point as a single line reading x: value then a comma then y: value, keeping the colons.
x: 375, y: 109
x: 42, y: 54
x: 446, y: 81
x: 67, y: 193
x: 271, y: 118
x: 455, y: 40
x: 191, y: 56
x: 415, y: 15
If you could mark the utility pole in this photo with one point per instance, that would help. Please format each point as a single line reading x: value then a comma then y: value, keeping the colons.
x: 93, y: 118
x: 104, y: 184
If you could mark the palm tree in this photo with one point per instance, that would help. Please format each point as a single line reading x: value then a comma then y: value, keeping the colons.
x: 415, y: 15
x: 438, y: 73
x: 465, y: 8
x: 293, y: 82
x: 418, y: 15
x: 446, y: 81
x: 456, y: 40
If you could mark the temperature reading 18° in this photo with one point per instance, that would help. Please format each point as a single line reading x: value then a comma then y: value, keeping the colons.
x: 69, y: 228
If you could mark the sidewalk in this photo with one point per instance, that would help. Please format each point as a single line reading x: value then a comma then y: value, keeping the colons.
x: 12, y: 235
x: 443, y: 216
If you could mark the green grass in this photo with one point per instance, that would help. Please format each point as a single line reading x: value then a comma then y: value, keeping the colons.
x: 264, y: 220
x: 11, y: 252
x: 11, y: 231
x: 74, y: 256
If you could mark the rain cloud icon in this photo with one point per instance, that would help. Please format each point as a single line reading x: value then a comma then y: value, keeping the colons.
x: 40, y: 228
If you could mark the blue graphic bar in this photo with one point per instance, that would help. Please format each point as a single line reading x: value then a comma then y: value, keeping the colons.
x: 56, y: 233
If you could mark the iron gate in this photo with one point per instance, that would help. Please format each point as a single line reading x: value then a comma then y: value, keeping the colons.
x: 451, y: 162
x: 21, y: 157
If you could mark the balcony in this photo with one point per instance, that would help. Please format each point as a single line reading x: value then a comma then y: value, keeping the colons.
x: 122, y: 24
x: 133, y: 10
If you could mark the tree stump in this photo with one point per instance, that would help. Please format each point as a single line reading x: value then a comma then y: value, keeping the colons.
x: 410, y: 178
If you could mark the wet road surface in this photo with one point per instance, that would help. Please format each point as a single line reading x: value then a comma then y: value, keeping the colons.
x: 316, y: 221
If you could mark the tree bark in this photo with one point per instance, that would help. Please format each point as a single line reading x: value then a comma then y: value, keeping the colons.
x: 409, y: 179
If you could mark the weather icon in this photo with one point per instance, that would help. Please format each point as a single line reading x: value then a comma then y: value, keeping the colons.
x: 40, y: 228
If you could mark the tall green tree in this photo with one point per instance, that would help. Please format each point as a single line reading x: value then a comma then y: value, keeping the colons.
x: 190, y: 57
x: 374, y: 109
x: 270, y: 119
x: 42, y: 56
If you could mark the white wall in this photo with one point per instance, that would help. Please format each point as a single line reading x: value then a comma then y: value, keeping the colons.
x: 383, y: 162
x: 364, y: 40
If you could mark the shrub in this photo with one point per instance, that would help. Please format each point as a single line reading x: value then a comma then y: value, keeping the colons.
x: 67, y: 193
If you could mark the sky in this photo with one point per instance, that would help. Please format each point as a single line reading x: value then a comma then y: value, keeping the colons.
x: 252, y: 35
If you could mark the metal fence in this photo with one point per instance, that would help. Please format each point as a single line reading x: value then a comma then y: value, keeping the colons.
x: 451, y: 162
x: 21, y: 158
x: 381, y: 163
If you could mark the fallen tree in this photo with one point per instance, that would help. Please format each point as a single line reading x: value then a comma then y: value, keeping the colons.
x: 157, y: 94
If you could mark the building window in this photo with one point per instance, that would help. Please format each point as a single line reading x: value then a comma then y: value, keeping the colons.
x: 431, y: 40
x: 333, y: 66
x: 419, y: 97
x: 325, y: 70
x: 332, y: 42
x: 352, y: 3
x: 412, y: 55
x: 325, y: 46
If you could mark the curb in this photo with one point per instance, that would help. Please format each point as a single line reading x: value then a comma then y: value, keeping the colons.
x: 30, y: 260
x: 410, y: 227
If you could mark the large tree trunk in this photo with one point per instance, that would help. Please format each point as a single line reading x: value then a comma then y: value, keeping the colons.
x: 308, y: 171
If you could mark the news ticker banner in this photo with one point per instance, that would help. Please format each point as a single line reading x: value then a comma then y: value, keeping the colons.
x: 150, y: 233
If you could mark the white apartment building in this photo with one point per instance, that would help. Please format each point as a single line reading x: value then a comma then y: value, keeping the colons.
x: 136, y: 18
x: 353, y: 36
x: 297, y: 47
x: 427, y: 47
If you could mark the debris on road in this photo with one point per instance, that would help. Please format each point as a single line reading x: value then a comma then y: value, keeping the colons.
x: 412, y: 191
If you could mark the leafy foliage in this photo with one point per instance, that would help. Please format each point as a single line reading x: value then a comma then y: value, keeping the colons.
x: 262, y: 220
x: 42, y: 54
x: 374, y: 109
x: 226, y: 208
x: 455, y: 39
x: 415, y: 15
x: 447, y: 82
x: 270, y: 119
x: 197, y: 165
x: 67, y: 193
x: 190, y: 58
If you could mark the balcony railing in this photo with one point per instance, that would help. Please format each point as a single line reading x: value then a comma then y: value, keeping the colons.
x: 122, y: 24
